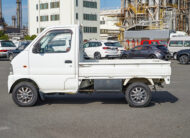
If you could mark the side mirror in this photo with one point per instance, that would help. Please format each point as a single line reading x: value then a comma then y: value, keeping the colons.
x: 37, y: 49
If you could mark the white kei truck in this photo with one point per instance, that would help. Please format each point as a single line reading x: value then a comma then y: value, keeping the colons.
x: 54, y: 64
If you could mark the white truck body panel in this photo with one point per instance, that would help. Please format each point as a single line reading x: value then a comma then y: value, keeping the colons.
x: 121, y: 69
x: 51, y: 73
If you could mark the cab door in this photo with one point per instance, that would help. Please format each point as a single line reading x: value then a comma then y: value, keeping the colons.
x: 52, y: 62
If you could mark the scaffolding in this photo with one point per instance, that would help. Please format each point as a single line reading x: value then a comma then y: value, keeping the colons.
x: 155, y: 14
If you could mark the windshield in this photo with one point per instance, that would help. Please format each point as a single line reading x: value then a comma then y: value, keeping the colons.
x: 115, y: 44
x: 162, y: 47
x: 163, y: 42
x: 7, y: 44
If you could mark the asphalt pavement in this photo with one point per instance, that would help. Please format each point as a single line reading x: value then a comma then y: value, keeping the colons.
x: 100, y: 115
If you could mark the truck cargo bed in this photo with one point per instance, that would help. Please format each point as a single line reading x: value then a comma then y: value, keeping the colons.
x: 120, y: 69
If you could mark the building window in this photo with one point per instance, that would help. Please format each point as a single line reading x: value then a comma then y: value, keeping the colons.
x: 36, y: 6
x: 37, y: 18
x: 77, y: 16
x: 90, y: 17
x: 43, y: 6
x: 90, y: 29
x: 102, y: 22
x: 89, y: 4
x: 44, y: 18
x: 55, y: 17
x: 55, y: 4
x: 37, y: 31
x: 77, y: 3
x: 104, y: 31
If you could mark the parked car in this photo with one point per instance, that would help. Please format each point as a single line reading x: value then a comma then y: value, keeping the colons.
x: 101, y: 49
x: 5, y: 46
x: 13, y: 53
x: 117, y: 45
x: 154, y: 42
x: 147, y: 51
x: 183, y: 56
x: 178, y: 43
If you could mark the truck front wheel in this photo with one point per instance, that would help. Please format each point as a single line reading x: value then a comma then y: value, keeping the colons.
x: 25, y: 94
x: 138, y: 95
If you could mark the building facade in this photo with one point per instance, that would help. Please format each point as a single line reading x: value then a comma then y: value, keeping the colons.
x: 108, y: 27
x: 45, y: 13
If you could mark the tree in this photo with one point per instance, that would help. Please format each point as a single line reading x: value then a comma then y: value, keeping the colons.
x: 3, y: 36
x: 27, y: 37
x: 33, y: 37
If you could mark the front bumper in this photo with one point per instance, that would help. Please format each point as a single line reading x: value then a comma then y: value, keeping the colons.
x: 11, y: 81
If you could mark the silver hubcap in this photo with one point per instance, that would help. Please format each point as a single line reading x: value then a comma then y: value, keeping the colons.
x: 183, y: 59
x: 97, y: 56
x: 25, y: 95
x: 138, y: 95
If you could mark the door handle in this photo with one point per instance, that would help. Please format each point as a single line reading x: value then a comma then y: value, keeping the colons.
x: 68, y: 61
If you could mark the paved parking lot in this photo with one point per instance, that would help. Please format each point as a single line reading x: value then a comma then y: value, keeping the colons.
x: 100, y: 115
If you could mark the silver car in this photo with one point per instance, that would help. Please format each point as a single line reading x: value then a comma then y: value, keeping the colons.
x: 5, y: 46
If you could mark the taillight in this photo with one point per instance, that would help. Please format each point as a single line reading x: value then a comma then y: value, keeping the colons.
x: 68, y: 49
x: 3, y: 50
x: 106, y: 48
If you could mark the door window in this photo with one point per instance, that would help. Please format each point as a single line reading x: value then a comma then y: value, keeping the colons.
x: 154, y: 43
x: 55, y: 42
x: 146, y: 48
x: 7, y: 44
x: 138, y: 48
x: 187, y: 43
x: 86, y: 45
x: 95, y: 44
x: 145, y: 42
x: 176, y: 43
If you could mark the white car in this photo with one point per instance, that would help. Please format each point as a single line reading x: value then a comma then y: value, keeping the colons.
x: 5, y: 46
x: 100, y: 49
x: 118, y: 45
x: 178, y: 43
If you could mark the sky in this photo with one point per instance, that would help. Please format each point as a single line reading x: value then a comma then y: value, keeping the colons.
x: 9, y: 8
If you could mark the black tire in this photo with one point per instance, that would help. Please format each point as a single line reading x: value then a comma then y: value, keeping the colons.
x: 153, y: 57
x: 97, y: 55
x: 11, y: 57
x: 167, y: 57
x: 124, y: 57
x: 25, y: 94
x: 141, y: 98
x: 184, y: 59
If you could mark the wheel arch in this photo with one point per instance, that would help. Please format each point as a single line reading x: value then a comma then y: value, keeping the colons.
x: 143, y: 80
x: 184, y: 54
x: 22, y: 80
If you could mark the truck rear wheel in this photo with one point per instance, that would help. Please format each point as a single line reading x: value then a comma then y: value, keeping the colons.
x: 138, y: 95
x: 25, y: 94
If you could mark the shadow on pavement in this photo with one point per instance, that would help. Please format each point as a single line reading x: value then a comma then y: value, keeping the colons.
x: 163, y: 97
x: 105, y: 98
